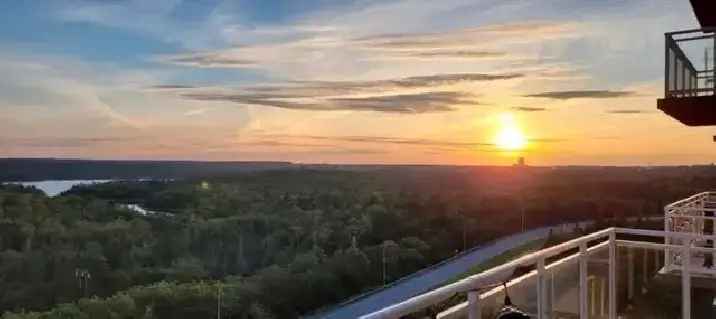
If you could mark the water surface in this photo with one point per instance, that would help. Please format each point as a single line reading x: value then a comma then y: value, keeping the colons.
x: 56, y: 187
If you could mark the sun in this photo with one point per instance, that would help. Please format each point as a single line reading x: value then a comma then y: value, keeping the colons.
x: 510, y: 136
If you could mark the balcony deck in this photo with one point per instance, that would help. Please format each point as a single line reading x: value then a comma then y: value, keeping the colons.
x: 690, y: 110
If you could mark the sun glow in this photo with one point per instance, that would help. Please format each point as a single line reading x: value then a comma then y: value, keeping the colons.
x: 510, y: 136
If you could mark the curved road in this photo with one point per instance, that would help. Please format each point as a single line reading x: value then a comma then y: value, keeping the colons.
x: 432, y: 277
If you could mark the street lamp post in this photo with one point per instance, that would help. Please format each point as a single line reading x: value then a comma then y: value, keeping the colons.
x: 384, y: 265
x: 83, y: 276
x: 218, y: 301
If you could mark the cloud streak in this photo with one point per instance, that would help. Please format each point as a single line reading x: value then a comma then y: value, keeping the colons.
x: 384, y: 140
x: 305, y: 46
x: 627, y: 111
x: 211, y: 60
x: 409, y: 95
x: 582, y: 94
x: 529, y: 109
x: 426, y: 102
x: 66, y: 142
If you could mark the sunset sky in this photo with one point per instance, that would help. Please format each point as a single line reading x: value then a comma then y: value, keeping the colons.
x: 431, y: 82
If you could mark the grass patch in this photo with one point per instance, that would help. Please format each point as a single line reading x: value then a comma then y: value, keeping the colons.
x: 500, y: 259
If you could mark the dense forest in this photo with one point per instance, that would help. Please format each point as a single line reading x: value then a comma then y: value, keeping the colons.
x: 285, y: 243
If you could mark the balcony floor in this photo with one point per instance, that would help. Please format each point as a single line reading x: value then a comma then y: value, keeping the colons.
x: 692, y: 110
x: 662, y: 299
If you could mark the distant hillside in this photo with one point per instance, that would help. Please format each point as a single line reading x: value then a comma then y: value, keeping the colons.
x: 29, y: 169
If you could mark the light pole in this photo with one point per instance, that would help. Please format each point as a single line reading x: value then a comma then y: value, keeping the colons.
x: 464, y: 229
x: 523, y: 218
x: 464, y: 234
x: 83, y: 276
x: 218, y: 301
x: 384, y: 265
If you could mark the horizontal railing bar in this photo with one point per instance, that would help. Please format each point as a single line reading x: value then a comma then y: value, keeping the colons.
x: 645, y: 244
x: 672, y: 215
x: 703, y: 30
x: 691, y: 198
x: 686, y: 91
x: 701, y: 37
x: 663, y: 234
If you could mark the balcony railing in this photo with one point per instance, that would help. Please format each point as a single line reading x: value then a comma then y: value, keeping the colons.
x: 690, y: 216
x: 682, y: 77
x: 593, y: 276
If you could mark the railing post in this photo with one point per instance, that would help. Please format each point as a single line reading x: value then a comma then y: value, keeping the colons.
x: 541, y: 290
x: 602, y: 284
x: 583, y: 292
x: 630, y: 273
x: 667, y: 241
x: 713, y: 67
x: 612, y: 275
x: 686, y: 281
x: 713, y: 233
x: 473, y: 305
x: 593, y: 293
x: 645, y: 267
x: 667, y: 61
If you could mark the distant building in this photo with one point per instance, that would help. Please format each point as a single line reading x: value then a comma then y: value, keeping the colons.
x: 520, y: 162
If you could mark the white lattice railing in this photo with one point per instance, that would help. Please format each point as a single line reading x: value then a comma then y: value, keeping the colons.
x: 689, y: 215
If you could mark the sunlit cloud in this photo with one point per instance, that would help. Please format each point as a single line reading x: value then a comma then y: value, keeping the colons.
x: 383, y: 140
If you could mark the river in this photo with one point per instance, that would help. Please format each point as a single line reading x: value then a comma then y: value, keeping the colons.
x: 56, y: 187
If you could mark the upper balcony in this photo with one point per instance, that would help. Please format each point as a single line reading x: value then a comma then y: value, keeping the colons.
x: 689, y: 89
x: 612, y: 273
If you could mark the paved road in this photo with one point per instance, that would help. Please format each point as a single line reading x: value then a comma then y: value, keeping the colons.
x: 433, y: 277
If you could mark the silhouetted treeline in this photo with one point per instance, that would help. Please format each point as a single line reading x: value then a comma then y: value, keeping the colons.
x: 280, y: 244
x: 27, y: 169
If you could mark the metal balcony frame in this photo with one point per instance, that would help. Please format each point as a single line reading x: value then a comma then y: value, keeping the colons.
x: 677, y: 242
x: 685, y: 79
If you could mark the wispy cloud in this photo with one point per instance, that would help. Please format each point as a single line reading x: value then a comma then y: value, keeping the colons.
x: 211, y: 60
x: 402, y: 103
x: 305, y: 47
x: 409, y: 95
x: 627, y: 111
x: 196, y: 112
x: 582, y: 94
x: 384, y: 140
x: 65, y: 142
x: 455, y: 54
x: 171, y: 86
x: 529, y: 109
x: 486, y: 35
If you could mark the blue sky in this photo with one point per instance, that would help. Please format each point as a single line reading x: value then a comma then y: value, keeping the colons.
x: 358, y: 81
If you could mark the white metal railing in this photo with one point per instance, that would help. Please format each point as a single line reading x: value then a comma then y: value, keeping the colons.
x: 689, y: 215
x: 604, y: 240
